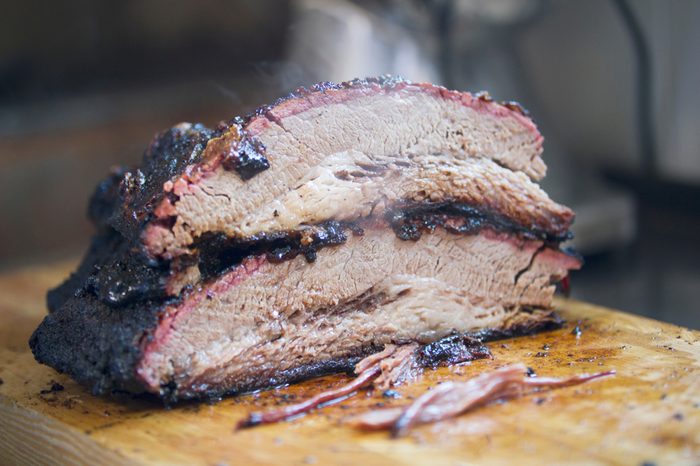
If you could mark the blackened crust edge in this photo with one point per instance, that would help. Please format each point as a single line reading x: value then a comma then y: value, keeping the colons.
x: 96, y: 346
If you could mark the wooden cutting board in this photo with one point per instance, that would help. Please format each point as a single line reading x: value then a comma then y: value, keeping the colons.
x: 648, y: 414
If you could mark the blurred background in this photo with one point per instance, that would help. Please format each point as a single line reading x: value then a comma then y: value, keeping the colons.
x: 613, y: 85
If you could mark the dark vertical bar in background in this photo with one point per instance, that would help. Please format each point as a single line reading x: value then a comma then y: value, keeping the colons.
x: 443, y: 20
x: 645, y: 123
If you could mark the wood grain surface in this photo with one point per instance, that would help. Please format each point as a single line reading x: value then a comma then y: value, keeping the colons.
x: 648, y: 414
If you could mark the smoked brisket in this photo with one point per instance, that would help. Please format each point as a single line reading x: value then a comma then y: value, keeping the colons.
x: 308, y: 235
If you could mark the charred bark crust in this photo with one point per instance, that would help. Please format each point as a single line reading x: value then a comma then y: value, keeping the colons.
x: 98, y: 347
x: 125, y: 201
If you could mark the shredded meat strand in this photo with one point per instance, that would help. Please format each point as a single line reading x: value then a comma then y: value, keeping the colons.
x: 277, y: 415
x: 398, y: 367
x: 375, y: 358
x: 451, y: 399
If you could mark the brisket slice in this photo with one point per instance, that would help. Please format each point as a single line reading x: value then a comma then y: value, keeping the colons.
x: 195, y: 180
x: 310, y: 234
x: 464, y: 196
x: 263, y: 323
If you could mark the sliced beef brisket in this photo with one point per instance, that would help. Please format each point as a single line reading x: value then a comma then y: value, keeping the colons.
x: 318, y: 230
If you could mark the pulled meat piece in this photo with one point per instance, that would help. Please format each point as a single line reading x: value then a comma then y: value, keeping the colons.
x: 451, y: 399
x: 374, y: 359
x: 385, y: 369
x: 277, y: 415
x: 402, y: 365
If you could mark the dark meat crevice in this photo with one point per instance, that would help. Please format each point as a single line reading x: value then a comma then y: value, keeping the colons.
x: 218, y: 253
x: 529, y: 265
x: 410, y: 220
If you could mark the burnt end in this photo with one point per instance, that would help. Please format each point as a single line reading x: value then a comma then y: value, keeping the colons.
x: 410, y: 220
x: 114, y: 272
x: 452, y: 350
x: 128, y: 276
x: 247, y: 158
x: 115, y: 268
x: 96, y: 345
x: 141, y: 189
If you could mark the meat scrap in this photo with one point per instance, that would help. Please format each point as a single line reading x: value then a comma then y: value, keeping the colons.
x: 383, y: 370
x: 451, y: 399
x: 406, y: 362
x: 373, y: 359
x: 400, y: 366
